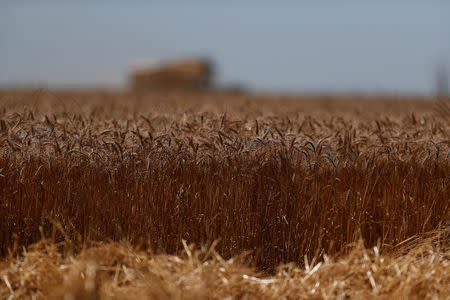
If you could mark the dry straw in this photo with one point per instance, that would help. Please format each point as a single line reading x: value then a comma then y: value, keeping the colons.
x: 118, y: 271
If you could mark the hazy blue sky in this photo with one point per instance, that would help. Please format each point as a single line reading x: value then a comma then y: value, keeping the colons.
x: 366, y: 46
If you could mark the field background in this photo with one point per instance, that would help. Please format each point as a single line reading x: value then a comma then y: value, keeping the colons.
x: 164, y: 193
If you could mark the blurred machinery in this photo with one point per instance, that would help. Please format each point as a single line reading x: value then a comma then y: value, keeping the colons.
x: 183, y: 74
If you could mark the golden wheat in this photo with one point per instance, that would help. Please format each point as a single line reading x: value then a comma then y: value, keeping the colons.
x: 286, y: 179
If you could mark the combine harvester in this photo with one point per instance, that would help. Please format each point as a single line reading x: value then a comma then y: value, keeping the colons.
x: 191, y: 74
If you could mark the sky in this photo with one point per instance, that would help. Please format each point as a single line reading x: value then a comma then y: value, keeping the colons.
x: 294, y: 46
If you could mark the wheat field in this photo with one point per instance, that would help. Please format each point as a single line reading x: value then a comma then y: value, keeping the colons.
x: 108, y: 195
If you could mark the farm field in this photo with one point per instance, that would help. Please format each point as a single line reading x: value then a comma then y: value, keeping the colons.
x: 108, y: 195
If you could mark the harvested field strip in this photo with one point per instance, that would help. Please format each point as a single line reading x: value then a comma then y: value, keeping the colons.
x: 117, y: 271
